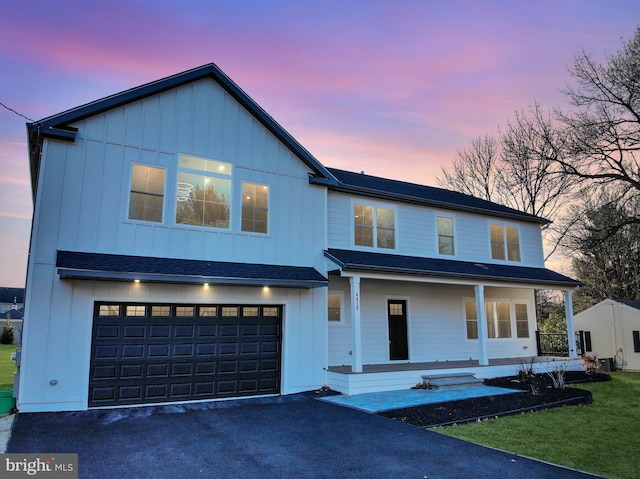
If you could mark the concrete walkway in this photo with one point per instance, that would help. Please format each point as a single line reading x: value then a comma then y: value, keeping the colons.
x: 294, y: 436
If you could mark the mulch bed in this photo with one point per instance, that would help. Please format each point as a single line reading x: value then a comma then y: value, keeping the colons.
x: 475, y: 409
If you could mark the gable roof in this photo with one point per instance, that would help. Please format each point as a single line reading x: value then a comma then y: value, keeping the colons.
x: 376, y: 187
x: 59, y: 126
x: 367, y: 262
x: 100, y: 266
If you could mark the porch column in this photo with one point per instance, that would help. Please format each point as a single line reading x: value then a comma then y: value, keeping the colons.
x: 571, y: 330
x: 481, y: 313
x: 356, y: 366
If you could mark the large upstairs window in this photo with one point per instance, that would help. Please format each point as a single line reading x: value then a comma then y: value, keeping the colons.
x: 203, y: 192
x: 374, y: 227
x: 505, y: 242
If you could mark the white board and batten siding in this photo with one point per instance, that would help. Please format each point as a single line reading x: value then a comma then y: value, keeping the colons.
x: 86, y: 190
x: 417, y: 234
x: 82, y: 205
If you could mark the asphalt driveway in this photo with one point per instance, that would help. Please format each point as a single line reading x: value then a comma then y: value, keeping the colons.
x: 292, y: 437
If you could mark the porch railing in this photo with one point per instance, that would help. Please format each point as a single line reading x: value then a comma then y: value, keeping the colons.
x: 556, y: 344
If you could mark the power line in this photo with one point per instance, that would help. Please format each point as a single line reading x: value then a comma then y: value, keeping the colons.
x: 19, y: 114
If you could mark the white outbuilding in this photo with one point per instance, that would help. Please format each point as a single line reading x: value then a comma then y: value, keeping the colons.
x: 611, y: 329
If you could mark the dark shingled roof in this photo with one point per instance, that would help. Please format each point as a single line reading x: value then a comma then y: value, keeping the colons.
x: 8, y: 295
x: 631, y: 302
x: 366, y: 262
x: 80, y: 265
x: 367, y: 185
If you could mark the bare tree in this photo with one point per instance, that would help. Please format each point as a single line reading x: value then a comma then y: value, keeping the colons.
x: 603, y: 127
x: 476, y: 171
x: 518, y: 169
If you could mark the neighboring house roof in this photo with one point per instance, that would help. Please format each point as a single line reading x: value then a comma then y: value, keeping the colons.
x: 12, y: 314
x: 630, y: 302
x: 373, y: 186
x: 80, y: 265
x: 59, y: 126
x: 366, y: 262
x: 12, y: 295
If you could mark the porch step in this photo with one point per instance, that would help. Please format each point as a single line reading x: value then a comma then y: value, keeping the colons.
x: 450, y: 380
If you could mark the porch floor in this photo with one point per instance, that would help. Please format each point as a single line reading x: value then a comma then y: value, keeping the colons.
x: 469, y: 363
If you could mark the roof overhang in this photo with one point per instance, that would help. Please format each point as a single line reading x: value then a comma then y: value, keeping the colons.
x: 435, y: 270
x: 108, y: 267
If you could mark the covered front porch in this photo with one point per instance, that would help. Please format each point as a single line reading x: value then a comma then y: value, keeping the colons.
x: 405, y: 317
x: 392, y: 376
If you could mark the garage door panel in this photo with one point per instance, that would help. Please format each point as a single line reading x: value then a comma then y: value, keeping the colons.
x: 106, y: 352
x: 108, y: 332
x: 132, y: 351
x: 131, y: 371
x: 203, y: 350
x: 133, y: 332
x: 184, y: 331
x: 181, y: 350
x: 156, y: 331
x: 189, y: 354
x: 208, y: 331
x: 158, y: 370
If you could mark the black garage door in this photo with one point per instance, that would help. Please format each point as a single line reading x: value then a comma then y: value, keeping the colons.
x: 149, y: 353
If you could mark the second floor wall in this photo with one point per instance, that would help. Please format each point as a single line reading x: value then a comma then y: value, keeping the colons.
x: 188, y: 173
x: 370, y: 224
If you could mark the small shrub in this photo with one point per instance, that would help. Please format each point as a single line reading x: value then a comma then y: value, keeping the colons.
x: 592, y: 364
x: 7, y: 333
x: 557, y: 375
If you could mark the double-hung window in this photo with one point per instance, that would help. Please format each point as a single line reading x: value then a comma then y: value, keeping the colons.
x: 203, y: 192
x: 255, y: 208
x: 146, y: 194
x: 505, y: 242
x: 445, y: 236
x: 374, y: 226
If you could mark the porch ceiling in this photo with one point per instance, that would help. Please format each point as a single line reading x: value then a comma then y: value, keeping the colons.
x: 413, y: 267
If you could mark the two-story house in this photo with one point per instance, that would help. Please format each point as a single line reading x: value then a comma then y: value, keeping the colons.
x: 185, y: 247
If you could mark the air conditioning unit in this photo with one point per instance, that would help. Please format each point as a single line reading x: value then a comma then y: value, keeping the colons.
x: 607, y: 364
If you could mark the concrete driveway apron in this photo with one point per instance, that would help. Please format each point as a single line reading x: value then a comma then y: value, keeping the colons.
x: 288, y: 437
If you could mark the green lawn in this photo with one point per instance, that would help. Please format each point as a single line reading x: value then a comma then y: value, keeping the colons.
x: 7, y: 366
x: 602, y: 438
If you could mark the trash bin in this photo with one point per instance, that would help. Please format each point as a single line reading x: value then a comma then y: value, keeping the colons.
x: 7, y: 401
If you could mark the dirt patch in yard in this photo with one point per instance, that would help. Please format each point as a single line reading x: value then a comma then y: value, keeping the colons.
x: 474, y: 409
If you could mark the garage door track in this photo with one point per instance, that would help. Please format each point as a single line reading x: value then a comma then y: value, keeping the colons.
x: 295, y: 436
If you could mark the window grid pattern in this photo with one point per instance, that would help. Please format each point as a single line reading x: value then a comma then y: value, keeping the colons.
x: 370, y: 223
x: 255, y: 208
x: 203, y: 192
x: 146, y: 194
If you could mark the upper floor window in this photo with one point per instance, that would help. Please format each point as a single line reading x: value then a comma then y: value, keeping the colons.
x: 146, y: 195
x: 445, y: 236
x: 203, y: 192
x: 375, y: 227
x: 505, y: 242
x: 255, y: 207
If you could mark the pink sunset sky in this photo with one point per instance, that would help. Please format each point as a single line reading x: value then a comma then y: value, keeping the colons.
x: 394, y: 88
